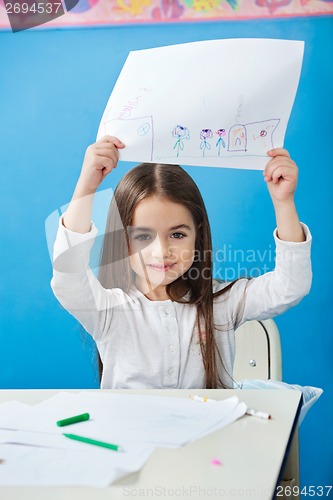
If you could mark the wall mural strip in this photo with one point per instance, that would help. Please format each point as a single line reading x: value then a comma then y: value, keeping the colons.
x: 124, y: 12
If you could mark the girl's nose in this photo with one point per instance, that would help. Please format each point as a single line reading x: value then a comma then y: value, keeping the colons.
x: 160, y: 248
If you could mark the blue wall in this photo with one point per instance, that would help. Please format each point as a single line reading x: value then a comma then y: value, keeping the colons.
x: 54, y: 87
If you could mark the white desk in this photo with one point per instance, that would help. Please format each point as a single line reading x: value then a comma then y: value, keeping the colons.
x: 252, y: 451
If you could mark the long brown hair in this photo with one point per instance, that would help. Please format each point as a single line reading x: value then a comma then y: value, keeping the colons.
x: 173, y: 183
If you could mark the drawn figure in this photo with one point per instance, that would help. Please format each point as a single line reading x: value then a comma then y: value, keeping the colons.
x: 237, y: 138
x: 206, y: 133
x: 181, y: 133
x: 220, y: 142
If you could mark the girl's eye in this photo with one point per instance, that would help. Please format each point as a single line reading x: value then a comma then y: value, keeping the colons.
x: 179, y: 236
x: 142, y: 237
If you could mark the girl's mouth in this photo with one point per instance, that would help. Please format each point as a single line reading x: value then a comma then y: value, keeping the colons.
x: 161, y: 267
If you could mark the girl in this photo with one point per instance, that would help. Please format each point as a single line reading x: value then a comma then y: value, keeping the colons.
x: 158, y: 317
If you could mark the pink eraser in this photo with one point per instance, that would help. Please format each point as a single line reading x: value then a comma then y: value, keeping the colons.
x: 215, y: 461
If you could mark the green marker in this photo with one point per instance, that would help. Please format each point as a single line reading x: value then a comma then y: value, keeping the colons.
x: 110, y: 446
x: 73, y: 420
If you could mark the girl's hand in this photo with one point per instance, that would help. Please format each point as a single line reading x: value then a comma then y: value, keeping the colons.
x: 281, y: 175
x: 100, y: 158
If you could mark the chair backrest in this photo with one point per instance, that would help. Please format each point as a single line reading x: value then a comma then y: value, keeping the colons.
x: 258, y: 351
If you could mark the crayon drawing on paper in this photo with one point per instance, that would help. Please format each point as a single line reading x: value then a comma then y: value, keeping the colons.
x: 227, y: 114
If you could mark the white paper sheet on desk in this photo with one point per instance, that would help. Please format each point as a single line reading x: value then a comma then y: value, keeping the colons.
x: 220, y: 103
x: 10, y: 408
x: 127, y: 419
x: 139, y: 423
x: 41, y: 458
x: 31, y: 465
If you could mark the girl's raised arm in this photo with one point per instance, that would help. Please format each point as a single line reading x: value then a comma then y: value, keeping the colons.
x: 281, y: 175
x: 100, y: 158
x: 274, y: 292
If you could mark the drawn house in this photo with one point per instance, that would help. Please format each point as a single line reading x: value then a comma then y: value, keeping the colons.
x: 141, y: 129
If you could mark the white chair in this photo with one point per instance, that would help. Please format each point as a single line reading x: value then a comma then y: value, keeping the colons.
x: 258, y: 351
x: 258, y: 356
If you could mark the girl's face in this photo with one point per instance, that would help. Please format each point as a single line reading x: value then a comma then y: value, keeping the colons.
x: 162, y: 242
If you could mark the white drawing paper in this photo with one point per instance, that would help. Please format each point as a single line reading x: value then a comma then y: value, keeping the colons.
x: 36, y: 453
x: 25, y: 465
x: 125, y: 419
x: 220, y: 103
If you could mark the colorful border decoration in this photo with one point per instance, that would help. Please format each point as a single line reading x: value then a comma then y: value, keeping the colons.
x: 126, y: 12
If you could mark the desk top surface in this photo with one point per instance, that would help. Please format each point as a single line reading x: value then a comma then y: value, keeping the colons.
x: 252, y: 451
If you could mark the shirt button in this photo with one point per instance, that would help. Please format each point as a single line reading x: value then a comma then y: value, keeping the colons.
x: 172, y: 348
x: 171, y: 371
x: 167, y: 311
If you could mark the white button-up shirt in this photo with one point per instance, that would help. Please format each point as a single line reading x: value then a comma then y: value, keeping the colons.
x: 154, y: 344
